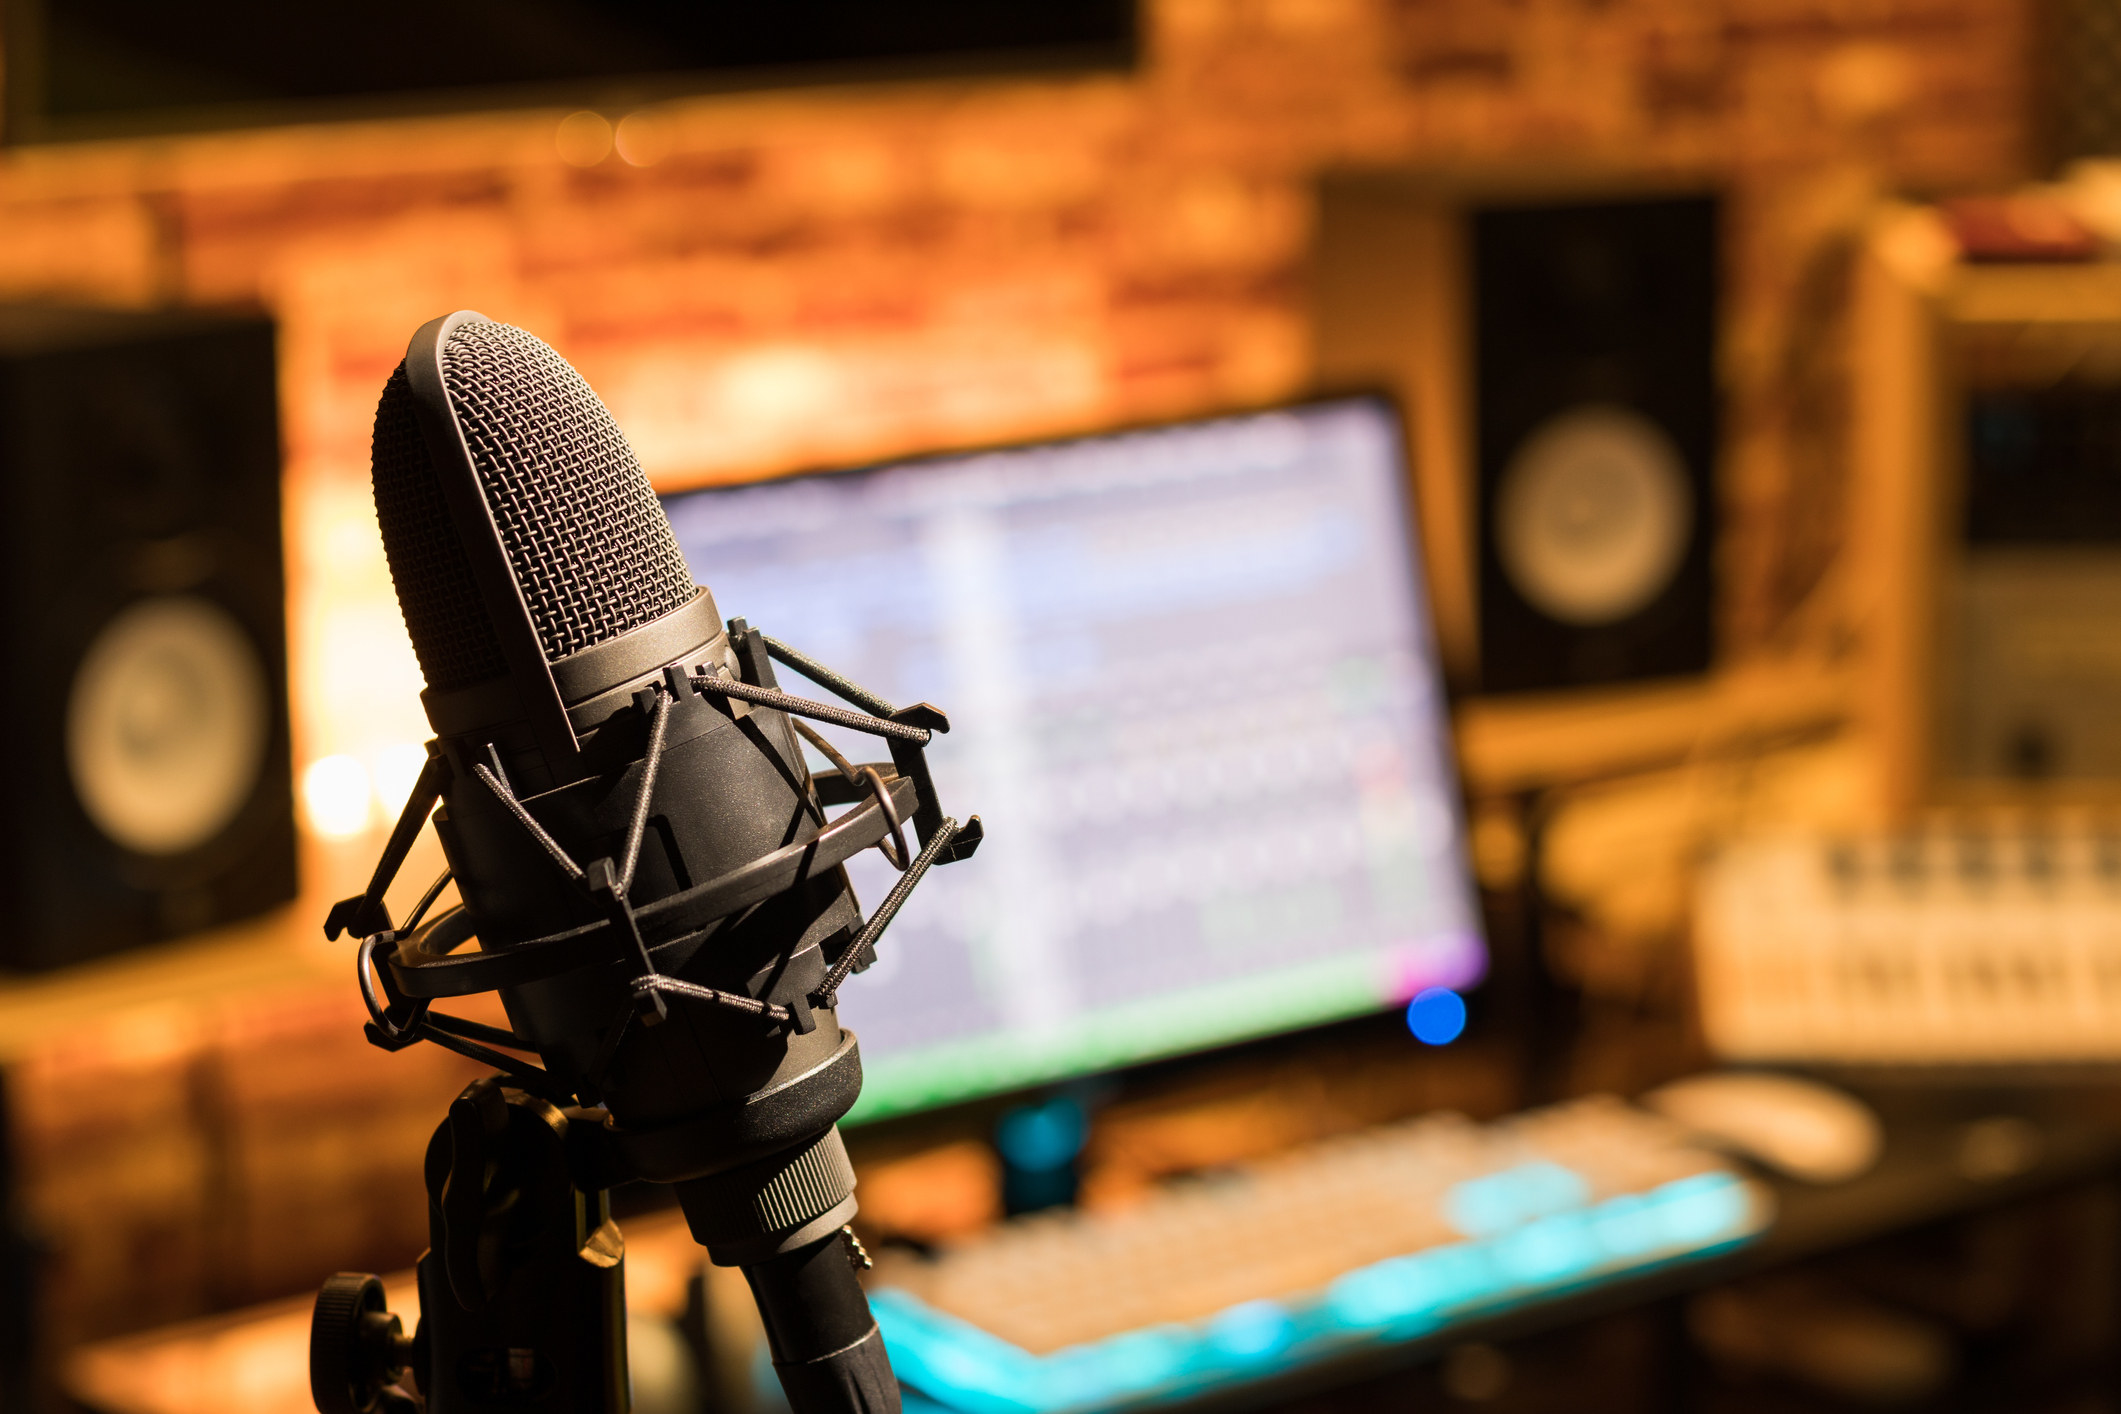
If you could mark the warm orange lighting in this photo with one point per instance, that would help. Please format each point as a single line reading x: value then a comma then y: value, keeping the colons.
x: 335, y: 796
x: 584, y: 139
x: 396, y: 770
x: 644, y: 137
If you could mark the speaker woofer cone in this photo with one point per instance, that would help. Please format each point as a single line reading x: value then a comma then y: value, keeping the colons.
x: 1593, y: 515
x: 167, y: 724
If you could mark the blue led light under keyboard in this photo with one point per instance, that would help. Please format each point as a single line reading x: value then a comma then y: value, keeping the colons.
x: 1362, y: 1241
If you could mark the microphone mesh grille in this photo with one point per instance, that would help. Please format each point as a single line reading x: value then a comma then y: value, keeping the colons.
x: 444, y: 615
x: 589, y: 543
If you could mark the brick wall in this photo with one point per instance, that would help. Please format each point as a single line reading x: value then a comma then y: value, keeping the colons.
x: 838, y: 274
x: 180, y: 1159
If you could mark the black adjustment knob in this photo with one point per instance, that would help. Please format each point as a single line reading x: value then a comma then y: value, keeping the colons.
x: 357, y: 1348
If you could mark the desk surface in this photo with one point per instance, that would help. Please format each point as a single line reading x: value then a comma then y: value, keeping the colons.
x: 1947, y: 1154
x: 257, y: 1361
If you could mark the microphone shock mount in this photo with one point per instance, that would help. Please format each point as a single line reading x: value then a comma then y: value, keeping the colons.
x: 522, y: 1289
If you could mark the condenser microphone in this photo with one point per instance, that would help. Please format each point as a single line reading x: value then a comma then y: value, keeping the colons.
x: 644, y: 857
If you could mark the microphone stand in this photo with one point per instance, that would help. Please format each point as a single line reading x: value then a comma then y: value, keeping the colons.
x: 522, y: 1288
x: 522, y: 1291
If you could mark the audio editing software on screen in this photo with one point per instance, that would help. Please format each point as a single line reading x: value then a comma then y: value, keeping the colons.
x: 1193, y: 696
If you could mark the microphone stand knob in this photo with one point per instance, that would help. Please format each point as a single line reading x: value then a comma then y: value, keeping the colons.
x: 357, y: 1349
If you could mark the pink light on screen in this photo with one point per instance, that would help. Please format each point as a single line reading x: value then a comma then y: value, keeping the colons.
x: 1454, y: 960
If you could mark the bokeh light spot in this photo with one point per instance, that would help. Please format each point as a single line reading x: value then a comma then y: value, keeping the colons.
x: 1436, y: 1016
x: 583, y: 139
x: 336, y: 796
x: 397, y: 770
x: 1043, y: 1137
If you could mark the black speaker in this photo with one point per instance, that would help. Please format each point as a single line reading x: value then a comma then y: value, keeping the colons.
x: 1595, y: 343
x: 142, y: 615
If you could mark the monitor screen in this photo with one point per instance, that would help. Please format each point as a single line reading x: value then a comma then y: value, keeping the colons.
x: 1193, y: 697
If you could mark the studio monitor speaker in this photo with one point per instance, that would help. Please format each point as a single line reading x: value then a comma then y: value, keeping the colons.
x: 142, y: 617
x: 1594, y: 332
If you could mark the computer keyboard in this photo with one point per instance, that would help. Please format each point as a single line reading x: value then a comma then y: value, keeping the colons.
x: 1369, y: 1238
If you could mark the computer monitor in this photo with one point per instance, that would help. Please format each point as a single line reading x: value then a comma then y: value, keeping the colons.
x: 1194, y: 697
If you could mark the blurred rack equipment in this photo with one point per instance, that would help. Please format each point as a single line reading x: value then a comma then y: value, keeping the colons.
x: 144, y: 617
x: 1987, y: 415
x: 2033, y: 679
x: 1967, y: 944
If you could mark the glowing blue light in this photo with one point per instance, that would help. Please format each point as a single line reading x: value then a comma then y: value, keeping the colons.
x: 1044, y: 1137
x: 1379, y: 1294
x: 1628, y: 1226
x: 1697, y: 1210
x: 1554, y: 1249
x: 1406, y: 1292
x: 1436, y: 1016
x: 1541, y: 1234
x: 1136, y: 1360
x: 1252, y: 1329
x: 1496, y: 1202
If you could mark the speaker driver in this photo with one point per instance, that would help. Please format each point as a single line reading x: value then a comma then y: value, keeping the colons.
x: 167, y: 725
x: 1593, y: 514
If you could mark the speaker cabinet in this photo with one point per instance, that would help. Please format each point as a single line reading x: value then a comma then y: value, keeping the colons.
x: 142, y: 613
x: 1594, y: 332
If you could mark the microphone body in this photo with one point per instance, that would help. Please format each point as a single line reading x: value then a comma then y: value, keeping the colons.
x: 599, y: 806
